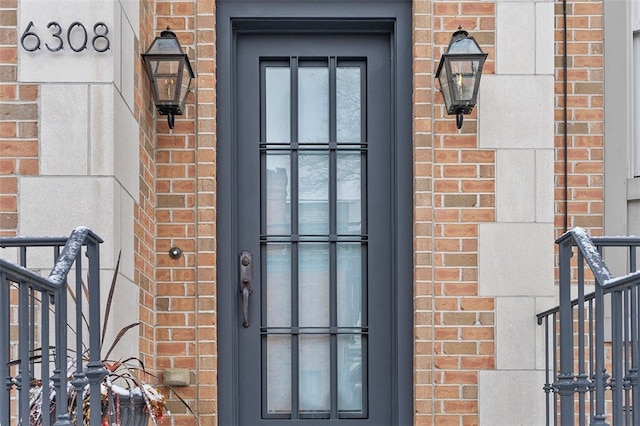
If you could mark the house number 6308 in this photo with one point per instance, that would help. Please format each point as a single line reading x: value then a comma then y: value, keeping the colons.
x: 77, y: 37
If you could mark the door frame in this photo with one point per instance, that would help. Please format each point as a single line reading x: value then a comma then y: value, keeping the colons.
x: 234, y: 17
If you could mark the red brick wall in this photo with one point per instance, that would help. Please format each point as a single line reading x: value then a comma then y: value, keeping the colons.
x: 144, y: 209
x: 185, y: 331
x: 454, y: 192
x: 585, y: 113
x: 423, y: 210
x: 18, y: 122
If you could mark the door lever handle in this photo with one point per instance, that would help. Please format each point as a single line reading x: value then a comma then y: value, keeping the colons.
x: 246, y: 283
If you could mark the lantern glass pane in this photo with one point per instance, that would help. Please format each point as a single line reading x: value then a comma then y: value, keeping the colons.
x: 444, y: 85
x: 464, y: 46
x: 165, y: 46
x: 166, y: 78
x: 464, y: 73
x: 185, y: 85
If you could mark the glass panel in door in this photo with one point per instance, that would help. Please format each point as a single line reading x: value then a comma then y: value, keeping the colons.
x: 314, y: 329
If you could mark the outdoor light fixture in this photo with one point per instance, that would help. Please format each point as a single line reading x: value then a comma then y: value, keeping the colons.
x: 459, y: 74
x: 170, y: 73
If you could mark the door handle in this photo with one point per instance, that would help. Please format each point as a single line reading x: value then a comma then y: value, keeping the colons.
x: 246, y: 283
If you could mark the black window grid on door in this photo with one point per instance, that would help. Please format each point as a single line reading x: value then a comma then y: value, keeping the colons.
x: 292, y: 240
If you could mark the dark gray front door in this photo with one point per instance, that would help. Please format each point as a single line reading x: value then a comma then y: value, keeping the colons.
x: 313, y: 172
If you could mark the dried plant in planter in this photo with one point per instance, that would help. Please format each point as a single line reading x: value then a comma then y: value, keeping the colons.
x: 127, y: 399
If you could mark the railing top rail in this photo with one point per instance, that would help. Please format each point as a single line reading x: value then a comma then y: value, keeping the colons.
x: 6, y: 242
x: 618, y: 283
x: 619, y: 241
x: 556, y: 309
x: 19, y: 274
x: 72, y: 246
x: 625, y: 281
x: 614, y: 241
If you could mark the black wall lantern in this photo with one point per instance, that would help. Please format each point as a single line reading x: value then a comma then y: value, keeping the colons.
x: 170, y: 73
x: 459, y: 74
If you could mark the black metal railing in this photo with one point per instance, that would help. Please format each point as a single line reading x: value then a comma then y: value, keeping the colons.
x: 592, y: 351
x: 49, y: 348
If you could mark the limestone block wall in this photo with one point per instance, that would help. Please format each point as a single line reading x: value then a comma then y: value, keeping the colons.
x: 516, y: 250
x: 88, y: 135
x: 70, y: 153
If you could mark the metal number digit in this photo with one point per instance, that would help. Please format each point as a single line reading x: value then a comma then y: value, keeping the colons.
x: 56, y: 34
x: 84, y: 42
x: 29, y: 33
x: 100, y: 36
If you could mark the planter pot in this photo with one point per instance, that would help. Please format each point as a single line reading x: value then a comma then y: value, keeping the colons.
x: 128, y: 411
x: 118, y: 409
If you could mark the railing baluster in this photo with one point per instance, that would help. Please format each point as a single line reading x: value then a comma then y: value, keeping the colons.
x: 5, y: 342
x: 626, y: 367
x: 565, y: 381
x: 599, y: 419
x: 44, y: 368
x: 616, y: 355
x: 95, y: 369
x: 547, y: 379
x: 592, y: 349
x: 23, y: 333
x: 555, y: 368
x: 32, y: 331
x: 62, y: 415
x: 633, y: 376
x: 79, y: 379
x: 582, y: 384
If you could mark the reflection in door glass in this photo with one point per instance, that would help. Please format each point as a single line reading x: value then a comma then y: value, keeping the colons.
x: 348, y: 104
x: 278, y: 113
x: 349, y: 192
x: 313, y: 292
x: 278, y: 374
x: 314, y: 373
x: 278, y: 196
x: 313, y: 104
x: 278, y: 285
x: 313, y: 187
x: 349, y: 285
x: 350, y: 373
